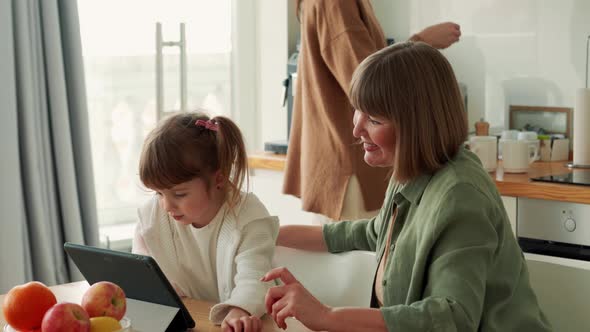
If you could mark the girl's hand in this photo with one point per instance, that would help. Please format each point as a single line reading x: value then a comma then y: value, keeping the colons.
x: 441, y: 35
x: 238, y: 320
x: 293, y: 300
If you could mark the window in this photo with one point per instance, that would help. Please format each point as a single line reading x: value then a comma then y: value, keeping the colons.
x: 118, y: 40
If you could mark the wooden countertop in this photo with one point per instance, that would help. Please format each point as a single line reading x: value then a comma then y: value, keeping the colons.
x: 520, y: 185
x: 267, y: 160
x: 516, y: 185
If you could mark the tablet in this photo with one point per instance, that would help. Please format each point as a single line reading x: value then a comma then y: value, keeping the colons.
x: 139, y: 276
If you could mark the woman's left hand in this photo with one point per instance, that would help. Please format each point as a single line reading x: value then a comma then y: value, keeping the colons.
x: 238, y: 320
x: 293, y: 300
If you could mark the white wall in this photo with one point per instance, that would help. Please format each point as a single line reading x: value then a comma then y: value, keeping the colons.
x: 276, y: 34
x: 272, y: 35
x: 527, y: 52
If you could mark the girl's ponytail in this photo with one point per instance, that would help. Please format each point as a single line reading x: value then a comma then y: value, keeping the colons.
x: 233, y: 161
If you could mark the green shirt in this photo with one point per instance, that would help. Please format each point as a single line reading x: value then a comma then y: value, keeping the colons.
x: 454, y: 263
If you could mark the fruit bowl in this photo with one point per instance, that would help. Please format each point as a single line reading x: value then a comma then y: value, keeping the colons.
x: 125, y: 326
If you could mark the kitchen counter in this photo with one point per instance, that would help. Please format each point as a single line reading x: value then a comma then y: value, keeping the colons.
x: 516, y: 185
x: 267, y: 160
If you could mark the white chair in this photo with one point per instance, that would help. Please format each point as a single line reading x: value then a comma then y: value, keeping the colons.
x: 337, y: 280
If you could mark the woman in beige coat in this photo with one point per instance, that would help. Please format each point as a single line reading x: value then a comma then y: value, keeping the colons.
x: 324, y: 166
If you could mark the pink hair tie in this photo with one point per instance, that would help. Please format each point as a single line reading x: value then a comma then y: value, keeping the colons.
x: 207, y: 124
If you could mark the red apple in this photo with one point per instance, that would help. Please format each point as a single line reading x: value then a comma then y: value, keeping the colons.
x: 66, y: 316
x: 105, y: 298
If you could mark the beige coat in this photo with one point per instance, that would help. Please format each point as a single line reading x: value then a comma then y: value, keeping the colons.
x: 336, y: 35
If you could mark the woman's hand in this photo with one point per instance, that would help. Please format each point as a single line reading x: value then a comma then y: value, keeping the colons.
x: 440, y: 35
x: 238, y: 320
x: 293, y: 300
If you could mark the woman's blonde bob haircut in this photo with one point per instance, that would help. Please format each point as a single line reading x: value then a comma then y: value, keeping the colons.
x: 413, y: 85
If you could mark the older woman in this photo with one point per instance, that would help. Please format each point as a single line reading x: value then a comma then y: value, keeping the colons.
x: 448, y: 260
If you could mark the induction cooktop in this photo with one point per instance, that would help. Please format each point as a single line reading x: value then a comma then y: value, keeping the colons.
x: 579, y: 177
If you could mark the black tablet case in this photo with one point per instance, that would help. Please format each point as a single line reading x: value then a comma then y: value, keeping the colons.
x: 139, y: 276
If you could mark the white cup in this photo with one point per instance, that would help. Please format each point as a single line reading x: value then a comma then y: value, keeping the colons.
x: 486, y: 149
x: 507, y: 134
x: 518, y: 155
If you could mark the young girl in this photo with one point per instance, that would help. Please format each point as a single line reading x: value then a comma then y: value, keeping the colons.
x: 213, y: 241
x: 448, y: 260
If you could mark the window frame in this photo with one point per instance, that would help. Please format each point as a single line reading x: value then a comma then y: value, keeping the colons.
x: 243, y: 106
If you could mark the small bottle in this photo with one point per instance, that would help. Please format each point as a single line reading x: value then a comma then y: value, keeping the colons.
x: 482, y: 128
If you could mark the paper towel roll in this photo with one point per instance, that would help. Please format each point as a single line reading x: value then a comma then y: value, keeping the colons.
x: 582, y: 127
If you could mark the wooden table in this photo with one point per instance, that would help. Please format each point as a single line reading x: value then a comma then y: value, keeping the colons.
x: 199, y: 310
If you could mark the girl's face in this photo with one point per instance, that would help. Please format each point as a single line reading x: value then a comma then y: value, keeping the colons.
x: 378, y: 138
x: 190, y: 203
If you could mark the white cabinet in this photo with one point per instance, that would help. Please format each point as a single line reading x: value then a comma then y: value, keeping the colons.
x: 268, y: 186
x: 510, y: 206
x: 561, y: 287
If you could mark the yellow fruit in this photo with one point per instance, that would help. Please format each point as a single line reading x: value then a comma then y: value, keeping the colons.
x: 104, y: 324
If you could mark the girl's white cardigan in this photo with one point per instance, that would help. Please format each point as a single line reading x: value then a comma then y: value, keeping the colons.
x: 245, y: 248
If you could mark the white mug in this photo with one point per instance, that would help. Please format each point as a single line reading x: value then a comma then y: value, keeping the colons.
x: 506, y: 134
x: 518, y: 155
x: 486, y: 149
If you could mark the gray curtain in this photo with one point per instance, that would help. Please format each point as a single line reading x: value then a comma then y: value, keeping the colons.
x: 46, y: 181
